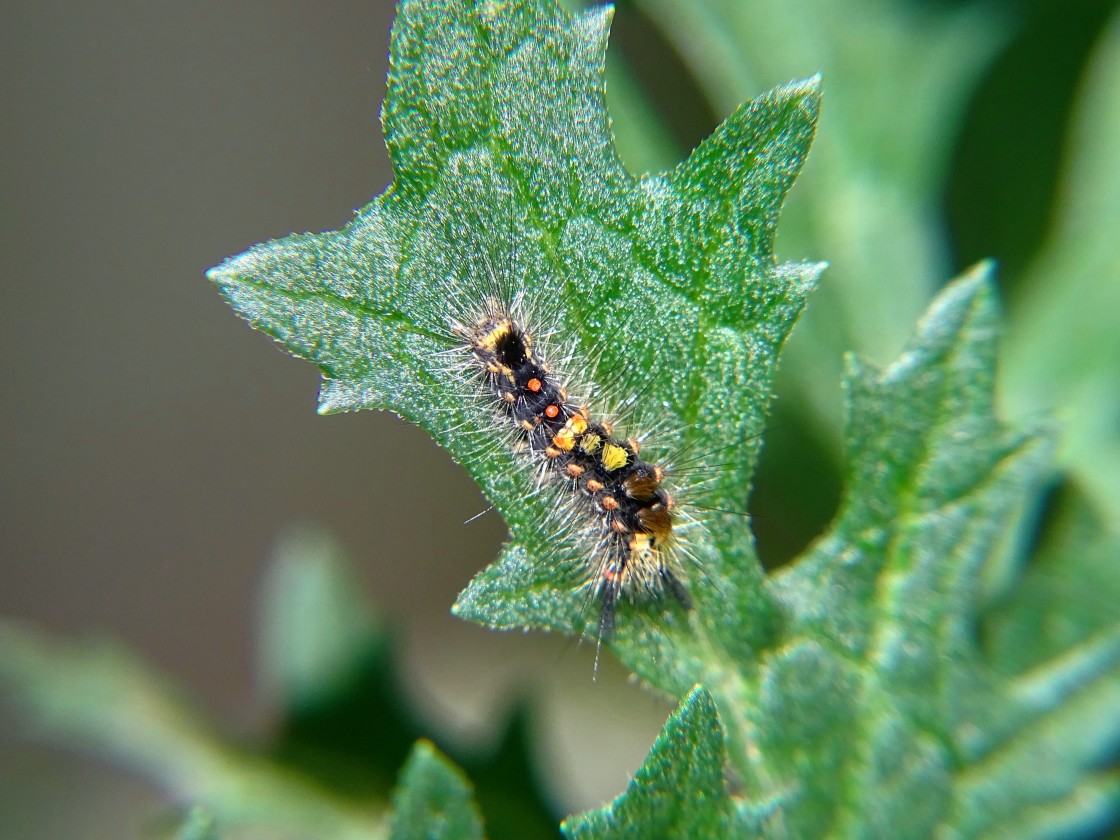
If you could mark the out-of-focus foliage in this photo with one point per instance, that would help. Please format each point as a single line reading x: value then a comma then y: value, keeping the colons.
x: 433, y: 800
x: 328, y: 768
x: 1063, y: 347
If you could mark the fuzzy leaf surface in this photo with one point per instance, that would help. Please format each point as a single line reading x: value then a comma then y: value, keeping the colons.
x: 505, y: 168
x: 679, y: 793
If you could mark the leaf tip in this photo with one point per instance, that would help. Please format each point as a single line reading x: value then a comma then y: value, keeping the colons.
x: 504, y: 596
x: 970, y: 296
x: 808, y: 91
x: 478, y: 604
x: 601, y: 15
x: 233, y: 269
x: 982, y: 273
x: 855, y: 369
x: 334, y: 398
x: 803, y: 277
x: 698, y: 710
x: 700, y: 697
x: 469, y: 607
x: 433, y: 798
x: 594, y: 24
x: 811, y: 85
x: 221, y: 274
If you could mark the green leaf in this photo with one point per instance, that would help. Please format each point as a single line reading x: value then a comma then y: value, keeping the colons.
x: 1065, y: 599
x: 315, y: 628
x: 503, y: 160
x: 1062, y: 355
x: 881, y: 611
x: 876, y: 712
x: 1055, y: 635
x: 325, y: 664
x: 433, y: 800
x: 679, y: 791
x: 198, y: 825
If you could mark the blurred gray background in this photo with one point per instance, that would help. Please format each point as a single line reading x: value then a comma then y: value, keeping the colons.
x: 153, y: 446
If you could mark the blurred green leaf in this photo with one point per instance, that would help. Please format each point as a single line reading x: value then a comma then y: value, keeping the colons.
x: 198, y: 825
x: 314, y: 623
x: 1065, y: 600
x: 679, y: 791
x: 1056, y: 637
x: 341, y: 736
x: 1064, y: 354
x: 644, y: 143
x: 99, y: 697
x: 921, y: 734
x: 880, y: 611
x: 433, y: 800
x: 326, y: 667
x: 343, y: 718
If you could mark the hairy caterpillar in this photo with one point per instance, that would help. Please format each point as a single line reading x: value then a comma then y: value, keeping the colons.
x: 630, y: 517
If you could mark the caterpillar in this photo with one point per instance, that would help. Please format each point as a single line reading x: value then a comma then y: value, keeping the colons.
x: 630, y: 516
